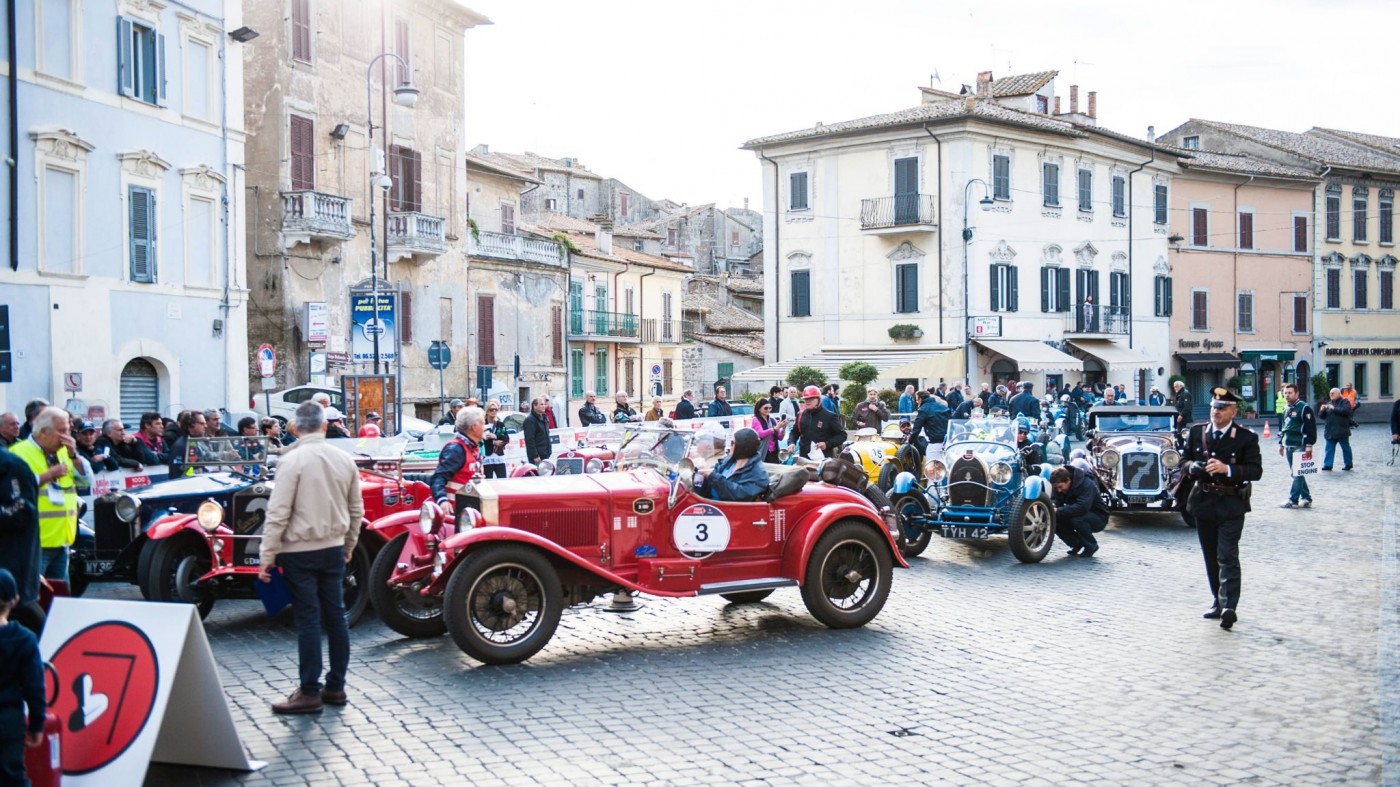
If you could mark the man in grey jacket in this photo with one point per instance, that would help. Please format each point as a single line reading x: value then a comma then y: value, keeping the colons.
x: 313, y: 522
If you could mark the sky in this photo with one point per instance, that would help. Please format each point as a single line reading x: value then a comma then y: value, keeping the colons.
x: 661, y: 94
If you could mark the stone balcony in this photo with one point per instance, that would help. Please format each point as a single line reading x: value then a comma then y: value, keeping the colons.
x: 309, y: 216
x: 499, y: 245
x: 414, y: 236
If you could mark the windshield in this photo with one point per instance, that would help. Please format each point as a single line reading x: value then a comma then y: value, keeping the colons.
x: 207, y: 451
x: 981, y: 430
x: 658, y: 447
x: 606, y: 435
x: 385, y: 448
x: 1134, y: 423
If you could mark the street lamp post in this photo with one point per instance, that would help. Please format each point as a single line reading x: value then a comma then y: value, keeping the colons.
x: 986, y: 202
x: 405, y: 95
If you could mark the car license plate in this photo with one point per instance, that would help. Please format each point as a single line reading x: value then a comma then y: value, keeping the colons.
x: 953, y: 531
x: 95, y: 567
x: 1138, y: 500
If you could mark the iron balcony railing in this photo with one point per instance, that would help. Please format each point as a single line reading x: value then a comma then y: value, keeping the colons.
x: 600, y: 324
x: 661, y: 331
x: 416, y: 233
x: 1093, y: 318
x: 514, y: 247
x: 316, y: 214
x: 901, y: 210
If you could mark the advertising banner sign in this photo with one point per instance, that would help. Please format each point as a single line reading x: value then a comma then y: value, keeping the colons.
x: 365, y: 324
x: 318, y: 319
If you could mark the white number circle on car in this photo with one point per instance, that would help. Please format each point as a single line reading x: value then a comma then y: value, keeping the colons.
x: 701, y: 530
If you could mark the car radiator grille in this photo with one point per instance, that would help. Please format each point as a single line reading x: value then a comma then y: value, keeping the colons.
x: 967, y: 483
x: 567, y: 528
x: 569, y: 466
x: 1141, y: 472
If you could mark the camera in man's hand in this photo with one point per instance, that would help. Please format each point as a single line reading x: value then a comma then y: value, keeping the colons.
x: 1195, y: 469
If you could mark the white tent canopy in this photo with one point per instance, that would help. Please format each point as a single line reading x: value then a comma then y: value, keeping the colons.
x: 931, y: 365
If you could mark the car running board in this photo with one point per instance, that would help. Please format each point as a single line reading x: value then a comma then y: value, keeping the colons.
x: 743, y: 585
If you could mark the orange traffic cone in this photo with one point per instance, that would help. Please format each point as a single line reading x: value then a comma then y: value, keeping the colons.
x: 1266, y: 429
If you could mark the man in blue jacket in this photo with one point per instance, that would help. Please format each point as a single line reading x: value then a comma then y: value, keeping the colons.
x: 932, y: 419
x: 719, y: 406
x: 1025, y: 403
x: 906, y: 400
x: 739, y: 477
x: 1298, y: 434
x: 1078, y: 512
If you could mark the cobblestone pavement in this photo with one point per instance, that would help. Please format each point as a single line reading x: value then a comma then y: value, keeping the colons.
x: 980, y: 670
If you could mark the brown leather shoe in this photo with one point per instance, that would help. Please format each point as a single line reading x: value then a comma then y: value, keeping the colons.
x: 333, y: 697
x: 298, y: 703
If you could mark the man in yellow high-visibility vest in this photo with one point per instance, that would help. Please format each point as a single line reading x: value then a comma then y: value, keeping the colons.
x: 49, y: 451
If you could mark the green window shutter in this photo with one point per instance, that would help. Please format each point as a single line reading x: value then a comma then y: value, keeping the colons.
x: 1062, y: 287
x: 1045, y: 276
x: 996, y: 288
x: 1015, y: 298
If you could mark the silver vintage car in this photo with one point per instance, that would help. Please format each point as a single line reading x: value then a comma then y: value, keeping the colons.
x: 1132, y: 450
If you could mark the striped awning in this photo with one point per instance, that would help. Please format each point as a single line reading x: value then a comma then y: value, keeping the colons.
x: 929, y: 366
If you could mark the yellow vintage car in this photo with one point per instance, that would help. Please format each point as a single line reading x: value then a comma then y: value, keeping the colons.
x: 878, y: 454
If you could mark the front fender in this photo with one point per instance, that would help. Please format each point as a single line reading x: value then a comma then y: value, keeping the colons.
x: 463, y: 543
x: 1033, y: 487
x: 799, y: 548
x: 904, y: 482
x: 390, y: 526
x: 173, y: 524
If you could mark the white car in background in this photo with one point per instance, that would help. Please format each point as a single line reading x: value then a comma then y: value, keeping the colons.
x: 282, y: 405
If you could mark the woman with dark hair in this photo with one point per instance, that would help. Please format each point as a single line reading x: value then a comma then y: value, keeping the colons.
x: 769, y: 432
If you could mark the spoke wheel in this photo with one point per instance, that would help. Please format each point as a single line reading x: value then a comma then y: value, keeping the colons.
x: 175, y: 565
x: 848, y: 575
x: 356, y: 592
x: 1032, y: 531
x: 503, y: 603
x: 403, y: 608
x: 910, y: 510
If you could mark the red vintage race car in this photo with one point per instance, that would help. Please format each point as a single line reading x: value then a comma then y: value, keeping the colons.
x: 212, y: 554
x: 593, y: 451
x: 532, y: 546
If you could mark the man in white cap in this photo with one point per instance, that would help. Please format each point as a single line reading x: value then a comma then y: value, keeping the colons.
x: 335, y: 424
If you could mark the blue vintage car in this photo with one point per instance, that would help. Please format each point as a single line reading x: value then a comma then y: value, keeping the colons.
x: 978, y: 484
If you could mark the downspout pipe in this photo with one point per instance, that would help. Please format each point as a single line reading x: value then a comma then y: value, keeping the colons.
x: 641, y: 322
x: 1235, y: 273
x: 13, y: 163
x: 777, y: 264
x: 938, y: 222
x: 1131, y: 213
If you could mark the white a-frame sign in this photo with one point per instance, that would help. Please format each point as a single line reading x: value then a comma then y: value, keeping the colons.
x: 116, y: 665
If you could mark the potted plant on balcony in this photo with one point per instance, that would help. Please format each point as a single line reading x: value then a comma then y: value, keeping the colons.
x: 905, y: 331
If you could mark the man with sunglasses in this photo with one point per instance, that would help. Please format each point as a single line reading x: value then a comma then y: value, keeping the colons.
x: 1223, y: 458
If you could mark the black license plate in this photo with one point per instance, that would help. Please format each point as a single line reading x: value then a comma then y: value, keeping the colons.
x: 97, y: 567
x: 957, y: 531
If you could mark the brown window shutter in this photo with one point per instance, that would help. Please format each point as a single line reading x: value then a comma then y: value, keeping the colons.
x: 301, y: 30
x: 557, y: 354
x: 406, y: 316
x: 302, y: 139
x: 486, y: 330
x: 415, y: 194
x: 396, y: 176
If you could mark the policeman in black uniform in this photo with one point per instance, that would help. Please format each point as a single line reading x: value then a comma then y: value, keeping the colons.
x: 1222, y: 459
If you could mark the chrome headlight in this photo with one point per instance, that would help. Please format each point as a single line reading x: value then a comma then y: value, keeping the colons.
x: 593, y: 466
x: 428, y: 516
x: 545, y: 467
x: 210, y: 515
x: 127, y: 507
x: 1109, y: 459
x: 935, y: 470
x: 1000, y: 473
x: 1170, y: 459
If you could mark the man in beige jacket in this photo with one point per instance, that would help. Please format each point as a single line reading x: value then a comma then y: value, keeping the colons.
x: 313, y: 521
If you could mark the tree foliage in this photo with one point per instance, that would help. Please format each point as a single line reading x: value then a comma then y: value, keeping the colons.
x: 803, y: 376
x: 858, y: 372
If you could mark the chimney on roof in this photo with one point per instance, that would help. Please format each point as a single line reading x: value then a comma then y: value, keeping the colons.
x: 1057, y: 105
x: 984, y: 84
x: 568, y: 161
x: 1151, y: 134
x: 1074, y: 99
x: 602, y: 237
x: 1093, y: 104
x: 746, y: 203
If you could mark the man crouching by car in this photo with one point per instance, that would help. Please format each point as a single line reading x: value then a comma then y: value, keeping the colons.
x: 460, y: 460
x: 313, y: 522
x: 1078, y: 512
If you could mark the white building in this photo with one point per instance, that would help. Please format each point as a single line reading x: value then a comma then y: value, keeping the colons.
x: 866, y: 242
x: 126, y: 262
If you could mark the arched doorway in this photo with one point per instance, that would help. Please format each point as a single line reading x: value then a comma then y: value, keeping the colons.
x: 1003, y: 372
x: 1304, y: 380
x: 140, y: 390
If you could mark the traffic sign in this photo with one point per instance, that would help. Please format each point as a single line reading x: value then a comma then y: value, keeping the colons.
x: 439, y: 355
x: 656, y: 370
x: 267, y: 360
x: 72, y: 382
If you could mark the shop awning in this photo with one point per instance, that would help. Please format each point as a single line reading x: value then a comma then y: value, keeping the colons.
x: 1117, y: 356
x: 930, y: 365
x: 1032, y: 356
x: 1200, y: 362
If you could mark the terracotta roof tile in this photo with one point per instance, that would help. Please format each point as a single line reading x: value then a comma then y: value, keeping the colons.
x: 499, y: 167
x: 750, y: 344
x: 1232, y: 162
x: 927, y: 113
x: 1316, y: 145
x: 1021, y: 84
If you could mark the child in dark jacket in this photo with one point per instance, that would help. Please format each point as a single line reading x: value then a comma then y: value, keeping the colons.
x: 21, y: 684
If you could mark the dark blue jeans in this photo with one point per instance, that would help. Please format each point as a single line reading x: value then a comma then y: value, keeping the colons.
x: 1299, y: 490
x: 12, y: 727
x: 316, y: 581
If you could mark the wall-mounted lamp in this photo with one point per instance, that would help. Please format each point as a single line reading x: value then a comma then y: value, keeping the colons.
x: 1175, y: 239
x: 340, y: 130
x: 1320, y: 344
x: 243, y: 34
